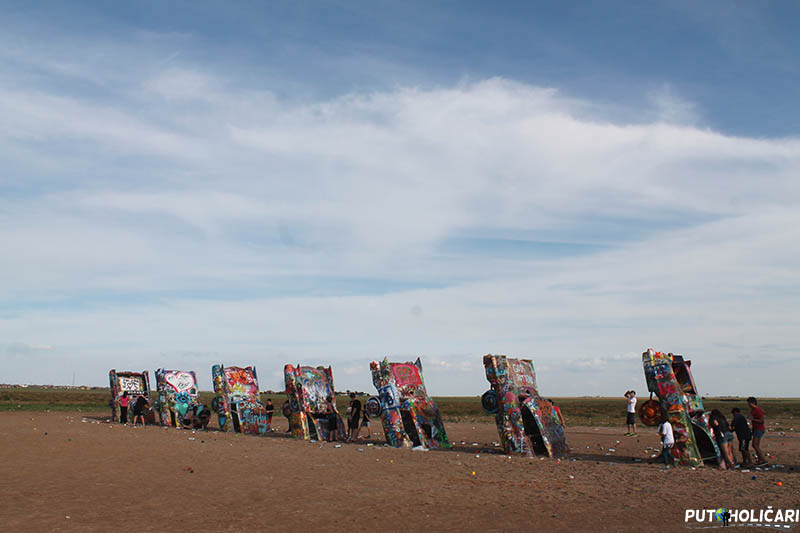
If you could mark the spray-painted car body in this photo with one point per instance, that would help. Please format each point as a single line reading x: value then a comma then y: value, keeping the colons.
x: 135, y: 384
x: 237, y: 402
x: 669, y: 377
x: 307, y: 388
x: 177, y: 404
x: 526, y: 422
x: 410, y: 417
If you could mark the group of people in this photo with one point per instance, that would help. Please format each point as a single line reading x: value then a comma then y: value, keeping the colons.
x: 357, y: 419
x: 139, y: 405
x: 723, y: 436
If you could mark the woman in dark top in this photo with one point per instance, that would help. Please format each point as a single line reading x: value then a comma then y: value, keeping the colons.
x: 330, y: 410
x: 742, y: 430
x: 723, y: 438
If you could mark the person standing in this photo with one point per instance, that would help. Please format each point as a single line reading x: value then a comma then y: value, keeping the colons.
x: 667, y: 442
x: 330, y: 412
x: 723, y: 437
x: 364, y: 424
x: 759, y: 427
x: 270, y: 409
x: 354, y: 416
x: 631, y: 414
x: 743, y: 433
x: 123, y: 402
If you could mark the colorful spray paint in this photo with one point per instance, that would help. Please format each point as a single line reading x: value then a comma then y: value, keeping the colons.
x: 136, y: 384
x: 526, y: 422
x: 669, y: 378
x: 410, y: 417
x: 237, y: 402
x: 307, y: 389
x: 177, y: 403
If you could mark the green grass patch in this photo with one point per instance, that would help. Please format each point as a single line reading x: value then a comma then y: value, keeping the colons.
x: 782, y: 413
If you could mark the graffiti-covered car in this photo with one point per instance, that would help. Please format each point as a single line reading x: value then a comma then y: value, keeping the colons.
x: 527, y: 423
x: 237, y: 401
x: 136, y: 384
x: 669, y: 378
x: 177, y: 402
x: 307, y: 389
x: 410, y: 417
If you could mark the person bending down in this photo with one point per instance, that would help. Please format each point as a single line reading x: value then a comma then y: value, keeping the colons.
x: 138, y: 409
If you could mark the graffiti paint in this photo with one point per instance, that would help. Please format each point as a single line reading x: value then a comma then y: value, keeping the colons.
x: 410, y: 417
x: 237, y: 402
x: 669, y: 378
x: 526, y: 422
x: 177, y: 404
x: 135, y: 384
x: 307, y: 389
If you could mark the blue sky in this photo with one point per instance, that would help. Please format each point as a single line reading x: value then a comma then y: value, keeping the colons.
x: 334, y: 182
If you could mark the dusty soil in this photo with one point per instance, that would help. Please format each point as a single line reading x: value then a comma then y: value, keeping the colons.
x: 63, y: 471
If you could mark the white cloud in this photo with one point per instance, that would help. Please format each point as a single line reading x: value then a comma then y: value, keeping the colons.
x: 207, y: 187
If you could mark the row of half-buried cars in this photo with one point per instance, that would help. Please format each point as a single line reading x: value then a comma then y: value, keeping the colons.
x: 526, y: 422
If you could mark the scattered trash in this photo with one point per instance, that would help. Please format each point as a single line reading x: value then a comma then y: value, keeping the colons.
x: 191, y: 438
x: 571, y: 476
x: 779, y: 483
x: 473, y: 472
x: 360, y: 449
x: 338, y: 446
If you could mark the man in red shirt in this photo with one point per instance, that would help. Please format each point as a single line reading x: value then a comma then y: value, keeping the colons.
x: 758, y: 427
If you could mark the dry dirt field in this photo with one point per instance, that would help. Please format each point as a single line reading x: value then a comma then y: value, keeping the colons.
x: 75, y: 472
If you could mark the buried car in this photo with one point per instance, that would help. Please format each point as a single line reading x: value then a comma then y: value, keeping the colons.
x: 308, y: 389
x: 526, y: 422
x: 136, y: 384
x: 410, y: 417
x: 177, y: 402
x: 669, y: 378
x: 237, y: 402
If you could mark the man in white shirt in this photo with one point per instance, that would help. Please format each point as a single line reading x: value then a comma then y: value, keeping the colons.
x: 631, y: 414
x: 667, y: 442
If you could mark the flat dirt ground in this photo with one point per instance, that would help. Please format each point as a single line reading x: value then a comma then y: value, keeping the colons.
x: 72, y: 471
